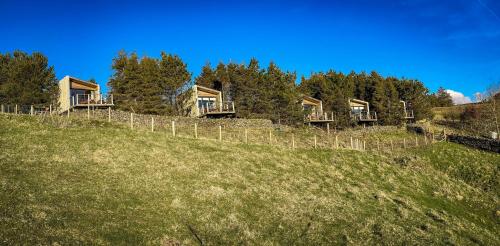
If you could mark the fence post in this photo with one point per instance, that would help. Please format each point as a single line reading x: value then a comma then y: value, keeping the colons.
x: 173, y: 128
x: 246, y: 136
x: 131, y: 120
x: 88, y: 110
x: 378, y: 144
x: 416, y: 141
x: 293, y: 141
x: 352, y: 144
x: 196, y: 130
x: 328, y: 128
x: 336, y: 141
x: 425, y: 139
x: 109, y: 114
x: 404, y: 143
x: 32, y: 110
x: 315, y: 142
x: 68, y: 112
x: 270, y: 137
x: 392, y: 146
x: 15, y: 111
x: 364, y: 145
x: 220, y: 133
x: 50, y: 109
x: 3, y: 109
x: 152, y: 124
x: 444, y: 133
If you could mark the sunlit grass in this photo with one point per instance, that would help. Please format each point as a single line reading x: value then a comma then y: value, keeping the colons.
x: 100, y: 183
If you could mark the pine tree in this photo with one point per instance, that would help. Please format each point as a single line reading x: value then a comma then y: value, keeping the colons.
x: 442, y: 98
x: 27, y: 79
x: 206, y: 77
x: 149, y: 97
x: 174, y: 78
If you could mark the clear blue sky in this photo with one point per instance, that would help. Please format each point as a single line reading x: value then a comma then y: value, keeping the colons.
x: 450, y: 43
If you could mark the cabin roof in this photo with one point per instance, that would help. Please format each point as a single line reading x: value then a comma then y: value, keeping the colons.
x: 358, y: 101
x: 311, y: 99
x: 203, y: 88
x: 83, y: 82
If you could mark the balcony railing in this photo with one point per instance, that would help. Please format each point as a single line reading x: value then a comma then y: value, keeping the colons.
x: 409, y: 114
x: 216, y: 108
x: 319, y: 117
x: 91, y: 100
x: 364, y: 116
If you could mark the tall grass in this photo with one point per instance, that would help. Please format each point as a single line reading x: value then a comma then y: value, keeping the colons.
x: 92, y: 182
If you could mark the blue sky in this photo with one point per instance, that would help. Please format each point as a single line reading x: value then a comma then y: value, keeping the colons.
x: 449, y: 43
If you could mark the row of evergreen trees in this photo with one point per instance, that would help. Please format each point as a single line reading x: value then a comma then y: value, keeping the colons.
x: 150, y: 85
x: 272, y: 93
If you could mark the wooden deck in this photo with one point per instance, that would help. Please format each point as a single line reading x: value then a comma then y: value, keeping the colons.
x: 226, y: 109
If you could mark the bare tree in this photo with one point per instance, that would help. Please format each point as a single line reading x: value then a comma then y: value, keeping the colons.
x: 492, y: 98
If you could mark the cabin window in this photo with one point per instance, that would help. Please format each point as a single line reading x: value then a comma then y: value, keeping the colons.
x: 309, y: 108
x: 357, y: 109
x: 206, y: 102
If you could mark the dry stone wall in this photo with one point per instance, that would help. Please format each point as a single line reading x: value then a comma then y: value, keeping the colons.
x: 144, y: 120
x: 476, y: 142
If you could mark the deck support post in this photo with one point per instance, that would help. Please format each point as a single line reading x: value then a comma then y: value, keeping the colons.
x: 15, y: 111
x: 336, y: 141
x: 315, y: 142
x: 328, y: 128
x: 352, y: 144
x: 88, y: 111
x: 220, y: 133
x: 32, y: 110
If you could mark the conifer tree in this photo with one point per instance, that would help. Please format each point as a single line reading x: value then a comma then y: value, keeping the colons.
x: 206, y: 77
x: 27, y: 79
x: 174, y: 77
x: 442, y: 98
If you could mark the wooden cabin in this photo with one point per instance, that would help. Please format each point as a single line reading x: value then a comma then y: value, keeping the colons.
x: 407, y: 113
x: 202, y: 101
x: 314, y: 107
x: 77, y: 93
x: 360, y: 111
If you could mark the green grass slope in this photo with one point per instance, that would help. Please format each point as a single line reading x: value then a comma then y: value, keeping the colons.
x: 99, y: 183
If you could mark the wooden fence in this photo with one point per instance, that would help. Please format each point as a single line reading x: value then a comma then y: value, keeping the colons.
x: 286, y: 137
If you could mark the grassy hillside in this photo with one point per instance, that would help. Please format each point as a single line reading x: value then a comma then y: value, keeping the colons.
x: 100, y: 183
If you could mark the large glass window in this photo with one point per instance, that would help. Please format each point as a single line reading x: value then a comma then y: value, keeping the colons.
x: 206, y: 102
x: 357, y: 109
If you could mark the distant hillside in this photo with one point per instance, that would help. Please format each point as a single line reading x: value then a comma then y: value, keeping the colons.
x: 92, y: 182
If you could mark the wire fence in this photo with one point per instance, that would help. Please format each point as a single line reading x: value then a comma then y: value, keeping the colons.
x: 274, y: 135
